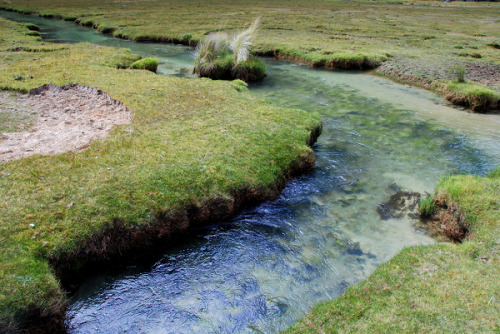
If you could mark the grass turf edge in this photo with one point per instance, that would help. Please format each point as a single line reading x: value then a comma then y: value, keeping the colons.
x: 196, y: 150
x: 475, y: 97
x: 444, y: 287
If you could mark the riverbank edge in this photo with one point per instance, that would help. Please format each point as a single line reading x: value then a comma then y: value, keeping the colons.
x: 481, y: 99
x: 369, y: 305
x: 117, y: 242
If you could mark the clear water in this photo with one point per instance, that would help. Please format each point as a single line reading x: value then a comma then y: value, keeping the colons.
x: 266, y: 268
x: 172, y: 59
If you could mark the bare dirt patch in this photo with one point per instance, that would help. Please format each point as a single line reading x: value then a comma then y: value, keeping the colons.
x: 60, y: 119
x: 426, y: 71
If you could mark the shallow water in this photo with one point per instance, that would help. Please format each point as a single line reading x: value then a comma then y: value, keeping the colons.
x: 266, y: 268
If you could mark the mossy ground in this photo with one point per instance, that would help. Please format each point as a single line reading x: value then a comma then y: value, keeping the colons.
x: 190, y: 142
x: 332, y: 34
x: 443, y: 288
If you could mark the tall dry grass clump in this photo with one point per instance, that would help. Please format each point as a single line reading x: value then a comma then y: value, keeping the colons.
x: 243, y: 41
x: 215, y: 44
x: 221, y: 56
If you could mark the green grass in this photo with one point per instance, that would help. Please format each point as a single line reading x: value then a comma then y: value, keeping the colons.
x: 443, y: 288
x: 190, y: 142
x: 150, y: 64
x: 332, y: 34
x: 221, y: 56
x: 155, y: 161
x: 317, y: 29
x: 427, y: 206
x: 474, y: 96
x: 33, y: 27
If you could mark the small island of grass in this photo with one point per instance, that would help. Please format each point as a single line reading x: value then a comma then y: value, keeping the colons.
x: 221, y: 57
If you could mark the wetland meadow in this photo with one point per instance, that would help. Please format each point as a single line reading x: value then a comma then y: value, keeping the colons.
x: 355, y: 188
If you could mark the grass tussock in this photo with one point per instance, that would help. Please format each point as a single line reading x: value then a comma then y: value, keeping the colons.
x: 471, y: 95
x: 220, y: 56
x: 427, y: 207
x: 195, y: 150
x: 149, y: 64
x: 444, y: 288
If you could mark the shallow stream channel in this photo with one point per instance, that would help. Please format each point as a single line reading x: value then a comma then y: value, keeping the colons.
x: 330, y: 228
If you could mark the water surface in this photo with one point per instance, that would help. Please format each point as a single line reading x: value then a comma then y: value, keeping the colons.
x: 266, y: 268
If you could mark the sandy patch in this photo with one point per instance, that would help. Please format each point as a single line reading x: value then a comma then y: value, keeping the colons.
x: 428, y: 70
x: 65, y: 119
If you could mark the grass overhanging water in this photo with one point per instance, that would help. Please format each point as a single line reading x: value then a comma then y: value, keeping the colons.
x: 447, y: 288
x: 191, y: 142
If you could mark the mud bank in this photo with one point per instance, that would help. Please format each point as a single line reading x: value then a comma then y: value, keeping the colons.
x: 432, y: 75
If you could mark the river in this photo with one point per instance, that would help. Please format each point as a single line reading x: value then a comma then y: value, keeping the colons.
x: 266, y: 268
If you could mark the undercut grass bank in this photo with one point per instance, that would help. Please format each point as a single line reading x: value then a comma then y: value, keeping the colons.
x: 471, y: 95
x: 196, y: 151
x: 443, y: 288
x: 347, y: 35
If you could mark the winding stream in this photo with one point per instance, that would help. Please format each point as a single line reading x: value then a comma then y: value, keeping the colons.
x: 266, y: 268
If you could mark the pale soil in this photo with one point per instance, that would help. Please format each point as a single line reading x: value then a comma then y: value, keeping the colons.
x: 62, y: 119
x: 428, y: 70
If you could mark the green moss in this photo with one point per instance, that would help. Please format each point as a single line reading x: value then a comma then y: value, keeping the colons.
x: 150, y: 64
x: 122, y: 60
x: 239, y: 85
x: 444, y: 288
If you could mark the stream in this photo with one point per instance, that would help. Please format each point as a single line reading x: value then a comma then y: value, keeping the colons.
x: 265, y: 269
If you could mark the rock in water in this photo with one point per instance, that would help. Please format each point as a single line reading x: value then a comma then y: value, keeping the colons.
x: 400, y: 204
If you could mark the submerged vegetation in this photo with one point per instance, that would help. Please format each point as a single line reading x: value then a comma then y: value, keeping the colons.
x: 196, y: 150
x: 444, y: 288
x: 220, y: 56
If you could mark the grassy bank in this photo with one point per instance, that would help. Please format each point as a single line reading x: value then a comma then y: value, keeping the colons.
x: 196, y: 150
x: 427, y: 35
x: 443, y: 288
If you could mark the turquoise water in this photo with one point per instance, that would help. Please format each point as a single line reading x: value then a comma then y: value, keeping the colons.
x: 266, y: 268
